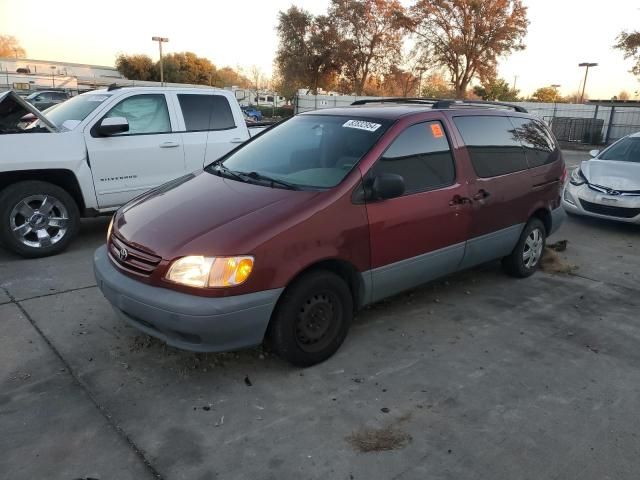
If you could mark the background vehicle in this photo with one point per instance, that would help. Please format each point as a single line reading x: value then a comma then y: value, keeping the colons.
x: 608, y: 185
x: 327, y: 212
x: 253, y: 113
x: 45, y: 99
x: 98, y: 150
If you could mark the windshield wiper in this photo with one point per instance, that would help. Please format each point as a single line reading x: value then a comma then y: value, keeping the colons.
x: 265, y: 178
x: 221, y: 169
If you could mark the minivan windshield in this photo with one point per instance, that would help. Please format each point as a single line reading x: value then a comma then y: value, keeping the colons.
x: 626, y: 150
x: 76, y: 108
x: 304, y: 152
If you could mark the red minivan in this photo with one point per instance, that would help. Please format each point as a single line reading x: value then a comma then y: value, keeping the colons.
x: 289, y: 235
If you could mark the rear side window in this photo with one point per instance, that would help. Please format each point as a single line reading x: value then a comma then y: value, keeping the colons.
x: 540, y: 149
x: 421, y: 155
x: 492, y: 144
x: 206, y: 112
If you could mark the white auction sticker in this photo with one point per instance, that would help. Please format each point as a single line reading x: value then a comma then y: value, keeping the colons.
x: 362, y: 125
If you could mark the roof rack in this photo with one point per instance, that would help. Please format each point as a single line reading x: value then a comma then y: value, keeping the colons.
x: 477, y: 103
x: 426, y: 101
x: 443, y: 104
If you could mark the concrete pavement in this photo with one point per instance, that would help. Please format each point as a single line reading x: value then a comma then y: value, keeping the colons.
x: 486, y: 376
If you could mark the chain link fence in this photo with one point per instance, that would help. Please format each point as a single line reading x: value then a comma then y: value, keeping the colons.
x: 593, y: 123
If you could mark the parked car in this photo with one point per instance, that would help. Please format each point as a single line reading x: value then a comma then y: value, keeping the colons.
x: 289, y: 235
x: 45, y: 99
x: 253, y: 113
x: 98, y: 150
x: 608, y: 185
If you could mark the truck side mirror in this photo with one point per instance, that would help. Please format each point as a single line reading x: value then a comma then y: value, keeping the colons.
x: 112, y: 126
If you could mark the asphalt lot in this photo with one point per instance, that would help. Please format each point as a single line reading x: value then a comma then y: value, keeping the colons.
x: 475, y: 376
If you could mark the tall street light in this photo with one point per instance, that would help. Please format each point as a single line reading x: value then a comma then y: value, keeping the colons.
x: 555, y: 86
x: 586, y: 72
x: 160, y: 40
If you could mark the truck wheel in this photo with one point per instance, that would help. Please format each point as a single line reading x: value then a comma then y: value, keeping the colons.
x: 37, y: 219
x: 525, y: 258
x: 312, y: 319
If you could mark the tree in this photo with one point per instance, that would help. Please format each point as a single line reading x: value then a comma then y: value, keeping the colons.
x: 187, y: 67
x: 623, y: 95
x: 136, y: 67
x: 10, y: 47
x: 436, y: 86
x: 629, y: 43
x: 546, y: 95
x: 373, y: 30
x: 467, y: 37
x: 310, y: 51
x: 400, y: 83
x: 496, y: 89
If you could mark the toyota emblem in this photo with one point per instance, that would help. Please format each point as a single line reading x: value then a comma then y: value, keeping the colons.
x: 123, y: 254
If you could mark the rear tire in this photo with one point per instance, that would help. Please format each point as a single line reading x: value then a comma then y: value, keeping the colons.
x: 526, y: 256
x: 37, y: 219
x: 312, y: 318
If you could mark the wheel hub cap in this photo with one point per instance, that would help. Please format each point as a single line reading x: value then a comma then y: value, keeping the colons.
x: 39, y: 221
x: 533, y: 247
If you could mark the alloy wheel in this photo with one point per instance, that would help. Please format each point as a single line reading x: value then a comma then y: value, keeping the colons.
x: 39, y: 221
x: 533, y: 247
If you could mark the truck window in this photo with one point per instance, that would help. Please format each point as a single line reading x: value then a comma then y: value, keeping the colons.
x: 492, y: 144
x: 206, y: 112
x: 540, y: 149
x: 421, y: 155
x: 146, y: 113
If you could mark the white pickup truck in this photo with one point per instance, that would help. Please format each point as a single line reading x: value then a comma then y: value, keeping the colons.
x: 96, y: 151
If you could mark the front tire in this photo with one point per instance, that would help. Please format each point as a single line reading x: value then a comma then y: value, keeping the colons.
x: 526, y: 256
x: 37, y: 219
x: 312, y: 318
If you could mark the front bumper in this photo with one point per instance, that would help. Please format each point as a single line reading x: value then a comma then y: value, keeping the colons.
x: 582, y: 200
x: 189, y: 322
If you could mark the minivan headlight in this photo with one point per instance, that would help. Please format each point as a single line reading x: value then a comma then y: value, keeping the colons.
x: 199, y: 271
x: 577, y: 178
x: 109, y: 228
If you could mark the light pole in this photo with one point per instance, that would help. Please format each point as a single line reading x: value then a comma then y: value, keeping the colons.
x: 160, y: 40
x: 555, y: 86
x: 586, y: 72
x: 53, y: 78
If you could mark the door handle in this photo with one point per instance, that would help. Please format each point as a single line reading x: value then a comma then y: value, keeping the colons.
x: 459, y: 200
x: 169, y: 144
x: 481, y: 195
x: 237, y: 140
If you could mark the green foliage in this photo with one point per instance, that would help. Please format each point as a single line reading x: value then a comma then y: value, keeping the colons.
x: 629, y: 43
x: 546, y: 95
x: 181, y: 67
x: 496, y: 89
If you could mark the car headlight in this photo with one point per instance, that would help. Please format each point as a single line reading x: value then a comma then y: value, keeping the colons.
x: 577, y: 178
x: 109, y: 228
x: 202, y: 272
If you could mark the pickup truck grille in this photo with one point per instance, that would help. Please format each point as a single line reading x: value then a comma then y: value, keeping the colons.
x: 611, y: 211
x: 132, y: 258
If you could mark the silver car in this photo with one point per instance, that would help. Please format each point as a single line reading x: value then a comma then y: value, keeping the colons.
x: 608, y: 185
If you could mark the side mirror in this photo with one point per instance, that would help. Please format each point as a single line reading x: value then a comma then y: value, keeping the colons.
x: 112, y: 126
x: 387, y: 185
x: 594, y: 153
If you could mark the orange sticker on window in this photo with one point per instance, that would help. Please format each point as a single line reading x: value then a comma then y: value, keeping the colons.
x: 436, y: 130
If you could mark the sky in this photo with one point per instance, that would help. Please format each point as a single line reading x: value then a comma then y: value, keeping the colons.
x: 241, y: 33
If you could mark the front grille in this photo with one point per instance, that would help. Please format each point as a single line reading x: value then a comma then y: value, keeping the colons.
x: 135, y: 260
x: 610, y: 210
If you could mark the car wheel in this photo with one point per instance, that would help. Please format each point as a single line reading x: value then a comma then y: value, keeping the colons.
x: 37, y: 219
x: 312, y: 319
x: 526, y: 256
